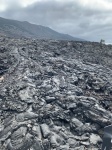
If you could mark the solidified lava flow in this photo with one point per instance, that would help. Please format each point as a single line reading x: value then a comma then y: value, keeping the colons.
x: 54, y: 95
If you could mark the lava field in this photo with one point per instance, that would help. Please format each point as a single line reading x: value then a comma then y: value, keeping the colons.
x: 54, y: 95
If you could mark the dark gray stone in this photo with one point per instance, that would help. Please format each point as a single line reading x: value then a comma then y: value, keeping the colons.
x: 54, y: 94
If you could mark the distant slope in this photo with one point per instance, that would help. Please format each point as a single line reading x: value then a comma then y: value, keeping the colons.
x: 19, y: 29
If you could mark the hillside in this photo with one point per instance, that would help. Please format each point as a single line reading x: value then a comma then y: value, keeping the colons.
x: 18, y: 29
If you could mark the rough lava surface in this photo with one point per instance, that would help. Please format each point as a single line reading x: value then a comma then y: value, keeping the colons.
x: 54, y: 95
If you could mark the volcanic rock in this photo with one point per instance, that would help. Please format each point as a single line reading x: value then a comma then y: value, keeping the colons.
x: 54, y: 95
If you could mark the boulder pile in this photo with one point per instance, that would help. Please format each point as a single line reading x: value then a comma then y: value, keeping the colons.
x: 54, y: 95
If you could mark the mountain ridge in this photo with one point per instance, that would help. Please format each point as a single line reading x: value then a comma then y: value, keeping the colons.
x: 18, y: 29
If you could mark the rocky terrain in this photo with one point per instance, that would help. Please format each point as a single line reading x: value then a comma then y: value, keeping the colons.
x: 54, y: 95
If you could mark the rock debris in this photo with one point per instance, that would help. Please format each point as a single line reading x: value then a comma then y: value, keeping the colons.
x: 54, y: 95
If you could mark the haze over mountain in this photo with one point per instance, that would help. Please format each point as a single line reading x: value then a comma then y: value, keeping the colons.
x: 19, y: 29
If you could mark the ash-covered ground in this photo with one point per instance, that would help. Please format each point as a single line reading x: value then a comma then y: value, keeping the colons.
x: 54, y: 95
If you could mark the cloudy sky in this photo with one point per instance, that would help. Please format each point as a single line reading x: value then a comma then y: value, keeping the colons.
x: 87, y: 19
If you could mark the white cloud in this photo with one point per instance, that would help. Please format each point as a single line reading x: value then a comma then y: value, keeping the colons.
x: 3, y: 5
x: 6, y: 4
x: 97, y: 4
x: 88, y: 19
x: 25, y: 3
x: 90, y: 4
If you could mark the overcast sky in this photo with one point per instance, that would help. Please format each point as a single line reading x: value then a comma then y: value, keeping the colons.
x: 87, y: 19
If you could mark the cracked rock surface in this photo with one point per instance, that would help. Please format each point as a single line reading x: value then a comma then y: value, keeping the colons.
x: 54, y: 95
